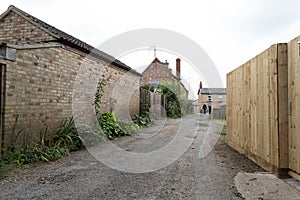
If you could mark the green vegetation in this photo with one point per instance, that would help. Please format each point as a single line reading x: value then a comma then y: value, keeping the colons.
x: 67, y: 136
x: 143, y: 120
x: 128, y: 126
x: 109, y: 126
x: 177, y: 103
x: 113, y: 128
x: 99, y: 94
x: 221, y: 123
x: 65, y: 140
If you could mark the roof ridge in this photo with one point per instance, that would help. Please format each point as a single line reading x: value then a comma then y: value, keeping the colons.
x: 72, y: 41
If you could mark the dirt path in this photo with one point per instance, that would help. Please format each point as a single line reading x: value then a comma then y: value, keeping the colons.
x: 193, y: 176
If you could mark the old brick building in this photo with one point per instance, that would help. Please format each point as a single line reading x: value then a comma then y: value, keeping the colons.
x: 158, y: 72
x: 43, y: 70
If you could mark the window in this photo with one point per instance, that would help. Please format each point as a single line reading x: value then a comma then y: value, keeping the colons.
x: 220, y: 98
x: 209, y: 98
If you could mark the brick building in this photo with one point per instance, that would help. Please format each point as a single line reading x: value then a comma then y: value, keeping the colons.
x: 158, y: 72
x: 216, y: 97
x: 44, y: 70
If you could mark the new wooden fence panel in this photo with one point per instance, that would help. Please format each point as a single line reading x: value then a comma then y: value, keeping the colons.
x: 254, y: 125
x: 294, y: 105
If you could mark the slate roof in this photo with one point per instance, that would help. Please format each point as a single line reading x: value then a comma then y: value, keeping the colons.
x: 69, y: 40
x: 213, y: 91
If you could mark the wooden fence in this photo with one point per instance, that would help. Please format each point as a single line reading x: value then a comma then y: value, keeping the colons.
x: 153, y: 103
x: 257, y: 118
x: 294, y: 106
x: 219, y: 113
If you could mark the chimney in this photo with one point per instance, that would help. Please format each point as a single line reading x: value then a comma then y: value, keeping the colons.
x: 200, y: 84
x: 178, y: 68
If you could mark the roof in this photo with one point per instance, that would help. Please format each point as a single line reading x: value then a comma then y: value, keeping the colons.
x: 69, y: 40
x: 156, y: 60
x: 213, y: 91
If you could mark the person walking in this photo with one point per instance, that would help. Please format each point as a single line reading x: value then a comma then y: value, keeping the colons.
x: 209, y: 109
x: 204, y: 107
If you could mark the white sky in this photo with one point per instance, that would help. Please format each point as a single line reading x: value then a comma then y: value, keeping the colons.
x: 230, y: 31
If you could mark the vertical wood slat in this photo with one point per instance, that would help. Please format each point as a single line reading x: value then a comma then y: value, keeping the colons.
x: 283, y: 107
x: 294, y: 102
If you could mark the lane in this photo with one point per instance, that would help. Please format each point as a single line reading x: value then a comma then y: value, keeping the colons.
x: 81, y: 176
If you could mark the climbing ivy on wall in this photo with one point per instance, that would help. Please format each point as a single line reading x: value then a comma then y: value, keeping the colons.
x: 99, y: 93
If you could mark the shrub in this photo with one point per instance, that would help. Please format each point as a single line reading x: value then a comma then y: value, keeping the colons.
x: 67, y: 136
x: 143, y: 120
x: 66, y: 139
x: 128, y: 127
x: 109, y: 126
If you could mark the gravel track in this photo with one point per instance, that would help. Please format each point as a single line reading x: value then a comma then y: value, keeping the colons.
x: 81, y: 176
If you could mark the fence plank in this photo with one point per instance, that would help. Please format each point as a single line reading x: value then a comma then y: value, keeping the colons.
x: 294, y: 105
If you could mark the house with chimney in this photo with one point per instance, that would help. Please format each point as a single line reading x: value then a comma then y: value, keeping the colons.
x: 215, y: 97
x: 159, y: 72
x: 47, y: 75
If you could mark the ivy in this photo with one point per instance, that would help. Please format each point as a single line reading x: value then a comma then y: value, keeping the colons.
x: 99, y: 94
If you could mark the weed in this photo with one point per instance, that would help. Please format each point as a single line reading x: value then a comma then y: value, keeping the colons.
x: 15, y: 134
x: 143, y: 120
x: 65, y: 140
x: 67, y: 136
x: 109, y: 126
x: 128, y: 127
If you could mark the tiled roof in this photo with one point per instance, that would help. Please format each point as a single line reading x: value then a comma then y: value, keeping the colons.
x: 213, y: 91
x: 69, y: 40
x: 156, y: 60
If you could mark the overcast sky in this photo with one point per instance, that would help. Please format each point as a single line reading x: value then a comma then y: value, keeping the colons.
x: 230, y: 31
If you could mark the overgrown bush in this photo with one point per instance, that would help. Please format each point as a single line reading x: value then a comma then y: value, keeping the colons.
x: 113, y: 128
x: 128, y: 126
x: 143, y: 120
x: 109, y: 126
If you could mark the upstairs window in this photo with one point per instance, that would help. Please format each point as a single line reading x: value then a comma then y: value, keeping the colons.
x: 220, y: 98
x: 209, y: 99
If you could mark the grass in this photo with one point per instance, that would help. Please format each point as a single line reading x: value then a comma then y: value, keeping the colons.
x: 222, y: 123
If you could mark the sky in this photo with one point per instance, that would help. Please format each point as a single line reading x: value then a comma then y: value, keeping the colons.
x: 230, y: 31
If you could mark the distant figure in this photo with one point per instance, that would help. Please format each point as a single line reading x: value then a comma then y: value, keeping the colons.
x: 204, y: 107
x: 209, y: 109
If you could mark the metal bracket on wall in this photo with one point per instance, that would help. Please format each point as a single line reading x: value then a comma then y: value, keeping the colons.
x: 290, y: 108
x: 7, y: 53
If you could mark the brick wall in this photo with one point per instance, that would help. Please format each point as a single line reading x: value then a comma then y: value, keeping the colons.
x: 157, y: 71
x: 48, y: 83
x: 41, y: 83
x: 17, y: 30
